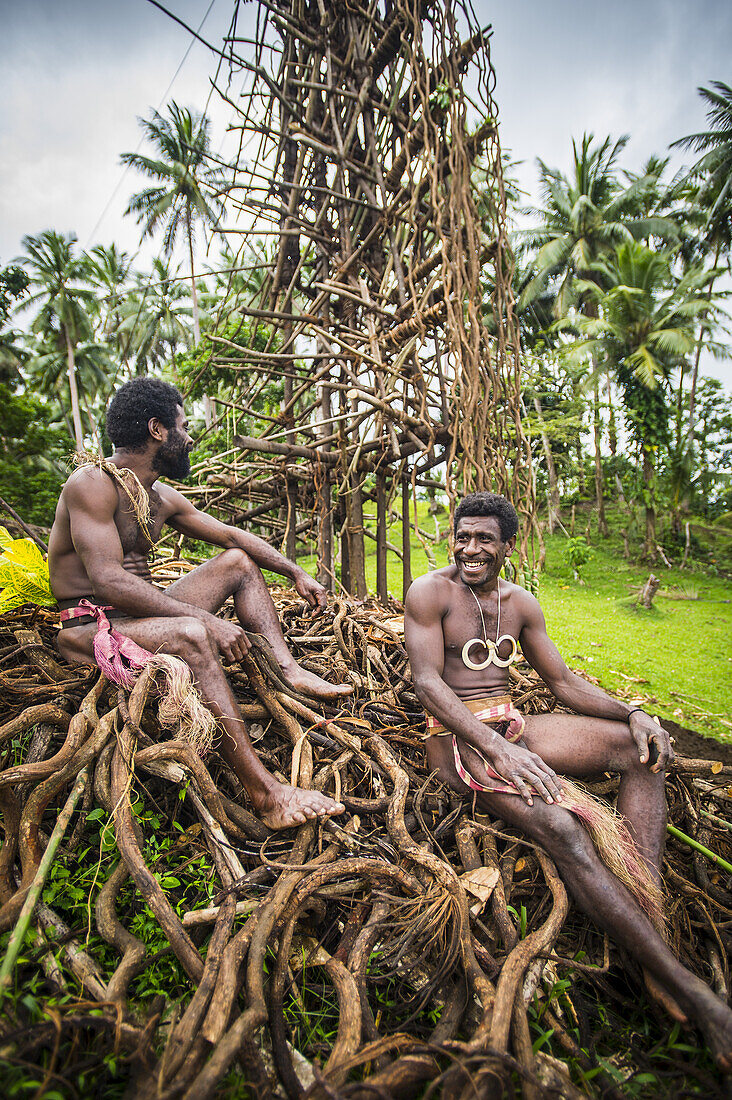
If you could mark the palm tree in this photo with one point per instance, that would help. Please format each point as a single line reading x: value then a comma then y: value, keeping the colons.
x: 584, y: 216
x: 189, y: 189
x: 711, y: 181
x: 65, y: 301
x: 644, y: 322
x: 155, y: 318
x: 714, y: 167
x: 109, y: 271
x: 13, y: 285
x: 93, y: 370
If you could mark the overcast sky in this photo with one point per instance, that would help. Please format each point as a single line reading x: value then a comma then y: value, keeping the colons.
x: 76, y: 74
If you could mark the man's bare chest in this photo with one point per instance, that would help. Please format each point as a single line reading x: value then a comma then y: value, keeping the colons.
x: 468, y: 620
x: 135, y: 537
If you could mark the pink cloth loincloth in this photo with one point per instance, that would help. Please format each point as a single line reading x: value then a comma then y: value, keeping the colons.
x: 119, y: 658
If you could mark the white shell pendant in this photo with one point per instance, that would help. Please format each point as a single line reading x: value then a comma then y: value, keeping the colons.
x: 492, y: 658
x: 487, y: 644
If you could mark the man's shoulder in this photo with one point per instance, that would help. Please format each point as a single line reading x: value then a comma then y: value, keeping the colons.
x: 432, y: 588
x: 171, y: 500
x: 167, y: 493
x: 522, y: 601
x: 89, y: 483
x: 434, y: 580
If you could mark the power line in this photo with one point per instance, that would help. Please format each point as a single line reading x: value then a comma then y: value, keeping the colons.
x: 164, y: 96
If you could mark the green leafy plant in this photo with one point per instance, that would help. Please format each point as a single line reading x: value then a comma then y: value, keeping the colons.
x: 442, y: 96
x: 579, y: 553
x: 24, y: 574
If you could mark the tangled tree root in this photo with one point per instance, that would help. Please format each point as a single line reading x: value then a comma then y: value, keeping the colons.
x: 411, y: 947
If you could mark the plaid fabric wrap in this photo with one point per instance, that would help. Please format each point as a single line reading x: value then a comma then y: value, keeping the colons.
x: 492, y: 711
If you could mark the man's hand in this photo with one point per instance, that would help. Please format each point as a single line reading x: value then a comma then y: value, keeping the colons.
x: 231, y: 640
x: 525, y: 770
x: 311, y: 590
x: 653, y: 741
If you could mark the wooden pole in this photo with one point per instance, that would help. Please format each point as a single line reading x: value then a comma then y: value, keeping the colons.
x: 381, y: 583
x: 356, y: 540
x: 406, y: 539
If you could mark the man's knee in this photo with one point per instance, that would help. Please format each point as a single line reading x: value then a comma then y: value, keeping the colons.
x: 562, y: 834
x: 189, y: 637
x: 237, y: 565
x: 626, y: 754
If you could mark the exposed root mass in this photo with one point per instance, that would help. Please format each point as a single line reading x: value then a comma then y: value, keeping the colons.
x: 385, y: 949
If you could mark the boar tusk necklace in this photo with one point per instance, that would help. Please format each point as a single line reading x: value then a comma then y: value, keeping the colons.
x: 492, y: 647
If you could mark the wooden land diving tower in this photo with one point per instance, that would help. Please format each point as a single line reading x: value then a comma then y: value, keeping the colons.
x: 370, y: 166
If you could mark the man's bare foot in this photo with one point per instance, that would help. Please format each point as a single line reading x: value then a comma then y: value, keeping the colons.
x: 286, y: 806
x: 310, y: 684
x: 666, y: 1001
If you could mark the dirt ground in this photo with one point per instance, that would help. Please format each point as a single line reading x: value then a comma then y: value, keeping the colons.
x: 689, y: 743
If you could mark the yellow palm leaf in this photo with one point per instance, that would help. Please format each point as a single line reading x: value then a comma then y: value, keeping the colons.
x: 24, y: 576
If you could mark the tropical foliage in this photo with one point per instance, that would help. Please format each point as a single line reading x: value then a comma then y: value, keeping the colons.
x: 187, y: 188
x: 23, y: 574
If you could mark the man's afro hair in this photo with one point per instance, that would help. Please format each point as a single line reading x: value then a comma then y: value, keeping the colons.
x: 137, y: 402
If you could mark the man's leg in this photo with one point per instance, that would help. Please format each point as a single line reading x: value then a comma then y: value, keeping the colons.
x: 596, y: 891
x: 233, y: 573
x: 583, y: 746
x: 278, y: 805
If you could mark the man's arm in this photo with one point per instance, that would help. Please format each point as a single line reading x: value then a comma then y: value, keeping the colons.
x: 424, y: 611
x: 190, y: 521
x: 91, y: 499
x: 585, y: 698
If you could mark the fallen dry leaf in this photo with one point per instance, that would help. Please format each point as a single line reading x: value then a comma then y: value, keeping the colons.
x: 480, y: 884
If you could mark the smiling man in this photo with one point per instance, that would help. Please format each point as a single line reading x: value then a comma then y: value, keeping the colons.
x: 108, y: 519
x: 463, y: 626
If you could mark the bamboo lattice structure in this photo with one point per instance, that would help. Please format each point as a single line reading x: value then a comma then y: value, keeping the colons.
x: 383, y: 309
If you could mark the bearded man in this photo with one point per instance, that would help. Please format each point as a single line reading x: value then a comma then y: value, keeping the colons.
x: 110, y: 516
x: 463, y: 625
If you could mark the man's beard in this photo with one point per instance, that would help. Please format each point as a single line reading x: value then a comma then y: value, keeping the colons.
x: 172, y: 459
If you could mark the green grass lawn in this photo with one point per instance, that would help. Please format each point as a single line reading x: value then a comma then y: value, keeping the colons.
x: 676, y: 658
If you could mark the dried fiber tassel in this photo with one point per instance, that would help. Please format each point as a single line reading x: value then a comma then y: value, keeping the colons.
x: 617, y: 849
x: 121, y: 660
x: 181, y: 705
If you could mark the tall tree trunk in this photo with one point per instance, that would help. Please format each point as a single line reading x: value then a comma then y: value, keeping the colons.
x: 581, y: 483
x: 680, y: 466
x: 325, y: 530
x: 355, y: 538
x: 649, y: 479
x: 207, y: 410
x: 688, y: 447
x: 342, y: 545
x: 612, y: 426
x: 695, y: 374
x: 194, y: 292
x: 382, y: 590
x: 291, y: 520
x: 597, y: 432
x: 324, y: 492
x: 74, y: 391
x: 290, y: 482
x: 554, y: 513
